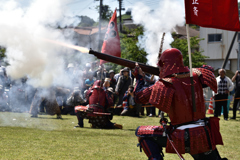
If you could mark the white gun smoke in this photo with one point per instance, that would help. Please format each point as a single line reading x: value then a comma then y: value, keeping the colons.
x: 22, y: 31
x: 169, y: 14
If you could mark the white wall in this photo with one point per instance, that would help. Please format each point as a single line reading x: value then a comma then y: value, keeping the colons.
x: 217, y: 64
x: 234, y: 65
x: 218, y: 50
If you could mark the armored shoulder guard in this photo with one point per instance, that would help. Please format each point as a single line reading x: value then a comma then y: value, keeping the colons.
x: 207, y: 78
x: 162, y: 94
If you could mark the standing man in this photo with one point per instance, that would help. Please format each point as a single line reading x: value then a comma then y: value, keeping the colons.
x: 224, y: 86
x: 113, y: 81
x: 236, y: 78
x: 122, y: 86
x: 101, y: 73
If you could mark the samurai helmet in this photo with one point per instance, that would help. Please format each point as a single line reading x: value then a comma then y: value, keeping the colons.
x: 97, y: 84
x: 170, y: 62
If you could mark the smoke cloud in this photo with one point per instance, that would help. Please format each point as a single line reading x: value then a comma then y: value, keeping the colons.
x: 169, y: 14
x: 22, y: 32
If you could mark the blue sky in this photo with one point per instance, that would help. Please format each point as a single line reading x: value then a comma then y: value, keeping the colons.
x: 87, y: 7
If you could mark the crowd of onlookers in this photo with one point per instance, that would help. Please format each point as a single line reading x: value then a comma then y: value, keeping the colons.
x: 122, y: 85
x: 19, y: 96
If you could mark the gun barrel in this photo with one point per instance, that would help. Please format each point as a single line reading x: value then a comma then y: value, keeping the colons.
x: 124, y: 62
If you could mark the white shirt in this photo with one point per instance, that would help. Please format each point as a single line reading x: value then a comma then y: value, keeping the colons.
x: 230, y: 84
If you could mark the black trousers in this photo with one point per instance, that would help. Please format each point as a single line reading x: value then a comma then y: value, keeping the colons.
x: 235, y: 104
x: 219, y: 104
x: 117, y: 111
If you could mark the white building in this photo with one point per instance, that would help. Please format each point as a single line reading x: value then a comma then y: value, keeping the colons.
x: 216, y: 44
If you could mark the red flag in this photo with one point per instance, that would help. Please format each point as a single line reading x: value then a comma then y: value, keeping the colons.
x: 221, y: 14
x: 111, y: 44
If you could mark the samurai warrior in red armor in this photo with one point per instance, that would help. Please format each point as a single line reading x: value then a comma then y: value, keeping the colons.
x: 189, y: 132
x: 98, y: 108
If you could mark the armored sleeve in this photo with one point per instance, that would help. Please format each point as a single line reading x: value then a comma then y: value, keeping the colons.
x: 143, y: 96
x: 162, y: 95
x: 207, y: 78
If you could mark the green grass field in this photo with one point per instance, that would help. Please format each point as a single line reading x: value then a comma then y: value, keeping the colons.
x: 46, y: 137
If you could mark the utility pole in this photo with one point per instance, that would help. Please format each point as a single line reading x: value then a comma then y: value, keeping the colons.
x: 99, y: 25
x: 229, y: 51
x: 120, y: 14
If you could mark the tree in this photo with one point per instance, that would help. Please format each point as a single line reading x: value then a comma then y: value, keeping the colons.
x: 106, y: 14
x: 197, y: 57
x: 2, y: 52
x: 85, y: 21
x: 129, y: 47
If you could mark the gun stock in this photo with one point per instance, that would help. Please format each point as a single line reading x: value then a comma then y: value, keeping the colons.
x: 124, y: 62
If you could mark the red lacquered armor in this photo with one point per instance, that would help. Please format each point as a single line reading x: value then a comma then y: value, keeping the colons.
x: 181, y: 110
x: 96, y: 97
x: 171, y: 62
x: 172, y: 94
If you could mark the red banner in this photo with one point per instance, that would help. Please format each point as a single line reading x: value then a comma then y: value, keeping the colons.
x: 220, y: 14
x: 111, y: 44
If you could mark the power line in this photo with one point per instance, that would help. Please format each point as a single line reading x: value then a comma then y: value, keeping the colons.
x: 129, y: 2
x: 76, y: 2
x: 85, y: 7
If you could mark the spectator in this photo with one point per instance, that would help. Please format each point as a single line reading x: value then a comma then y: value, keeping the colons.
x: 129, y: 103
x: 149, y: 80
x: 106, y: 84
x: 122, y: 86
x: 70, y: 70
x: 116, y: 76
x: 74, y: 99
x: 89, y: 82
x: 224, y: 86
x: 4, y: 106
x: 236, y: 78
x: 73, y: 75
x: 51, y: 105
x: 101, y: 73
x: 88, y: 67
x: 113, y: 81
x: 85, y: 76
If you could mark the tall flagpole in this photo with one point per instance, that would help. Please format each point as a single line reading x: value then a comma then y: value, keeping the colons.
x: 190, y: 66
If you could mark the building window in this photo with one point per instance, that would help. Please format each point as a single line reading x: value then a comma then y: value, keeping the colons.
x: 214, y: 37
